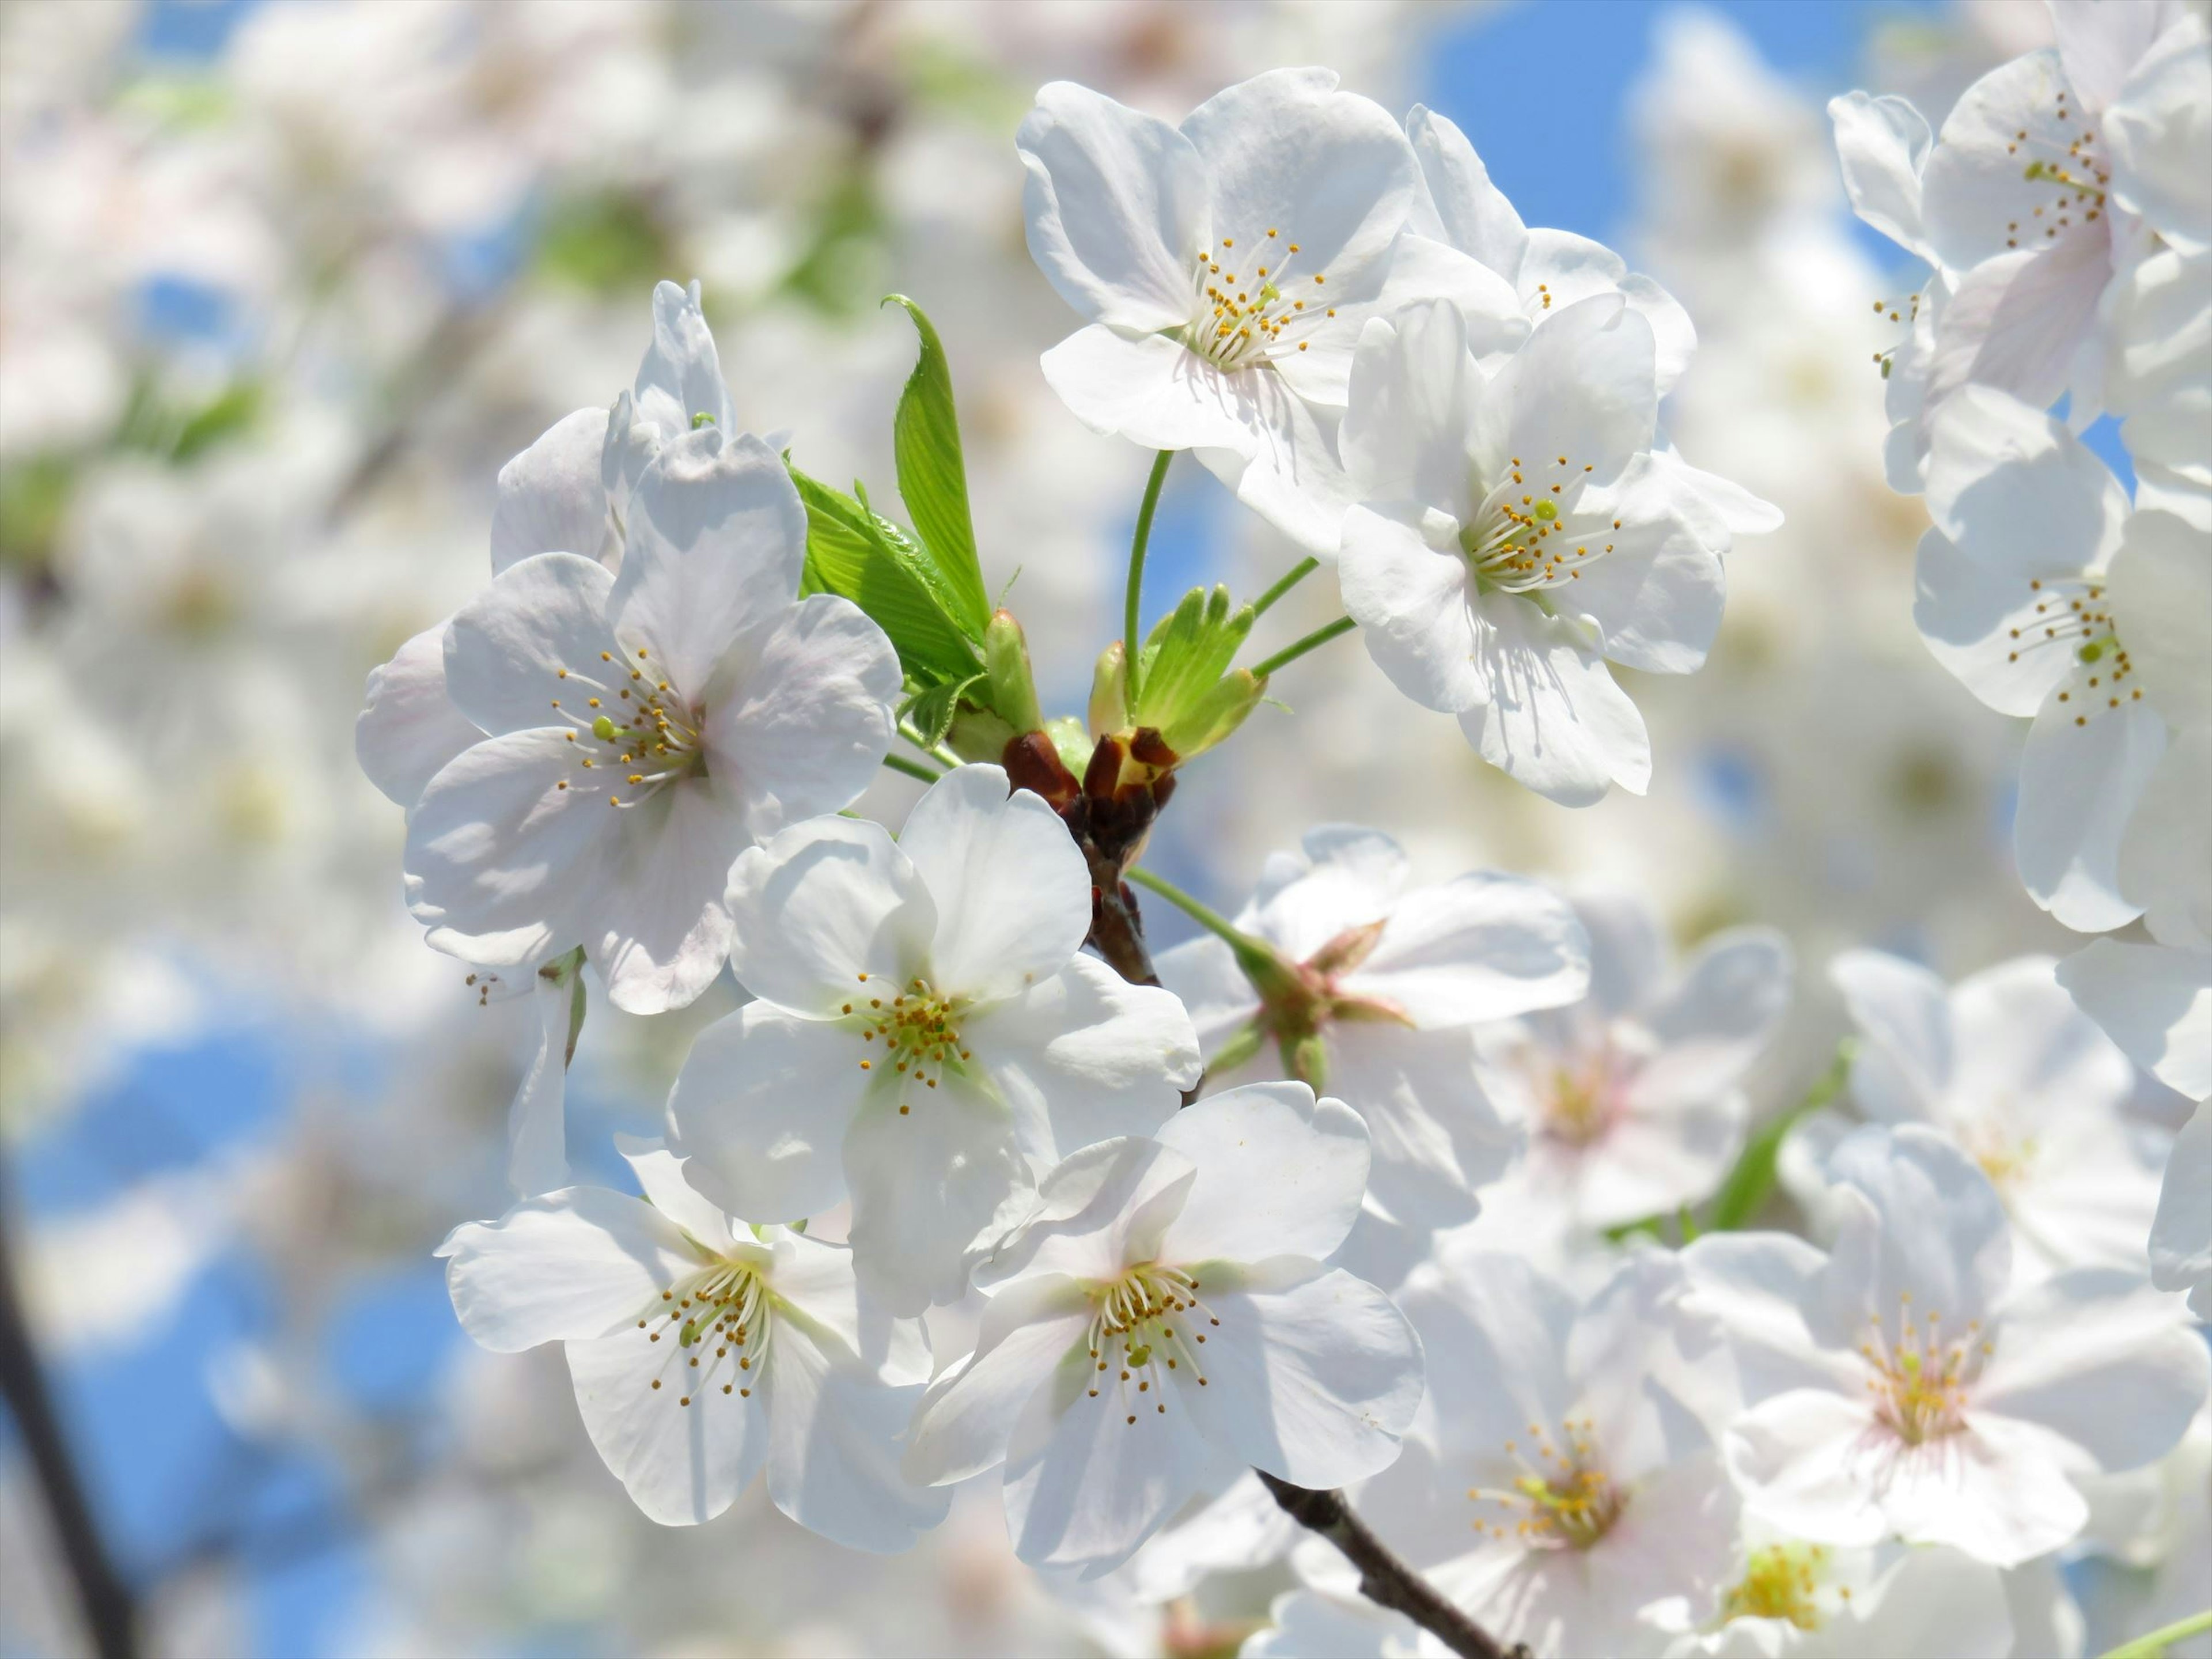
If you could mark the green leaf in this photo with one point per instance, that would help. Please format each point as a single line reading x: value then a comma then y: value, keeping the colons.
x: 933, y: 478
x: 1749, y: 1183
x: 854, y: 553
x: 932, y: 709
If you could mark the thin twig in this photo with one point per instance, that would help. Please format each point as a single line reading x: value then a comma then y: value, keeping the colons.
x: 109, y: 1616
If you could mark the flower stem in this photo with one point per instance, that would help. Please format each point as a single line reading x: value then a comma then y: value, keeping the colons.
x: 1299, y: 572
x: 912, y: 769
x: 1133, y: 599
x: 1212, y: 920
x: 936, y: 751
x: 2154, y: 1645
x: 1298, y: 648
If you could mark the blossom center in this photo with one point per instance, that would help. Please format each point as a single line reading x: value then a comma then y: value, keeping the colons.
x: 714, y: 1324
x: 1779, y: 1581
x: 1147, y: 1325
x: 1562, y: 1499
x: 2077, y: 175
x: 631, y: 727
x: 1532, y: 530
x: 1919, y: 1377
x: 1242, y: 317
x: 2075, y: 619
x: 918, y: 1026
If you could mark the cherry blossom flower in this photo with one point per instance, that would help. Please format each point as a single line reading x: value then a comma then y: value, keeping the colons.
x: 1166, y: 1308
x: 1224, y: 268
x: 2024, y: 1083
x: 1798, y: 1601
x: 703, y: 1351
x: 1376, y: 986
x: 1895, y: 1390
x: 1515, y: 531
x: 1632, y: 1098
x: 927, y: 1035
x: 642, y: 730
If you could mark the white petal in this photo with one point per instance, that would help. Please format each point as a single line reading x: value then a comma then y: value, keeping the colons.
x: 1117, y: 207
x: 578, y: 1264
x: 1905, y: 1012
x: 1412, y: 602
x: 500, y: 860
x: 408, y: 728
x: 1412, y: 394
x: 716, y: 539
x: 551, y: 499
x: 536, y: 1121
x: 1342, y: 876
x: 1310, y: 1376
x: 1656, y: 597
x: 680, y: 1464
x: 1996, y: 635
x: 967, y: 1417
x: 1152, y: 390
x: 823, y: 911
x: 2018, y: 492
x: 1584, y: 386
x: 506, y: 649
x: 1461, y: 205
x: 1283, y: 464
x: 660, y: 1177
x: 2181, y: 1236
x: 2099, y: 43
x: 2153, y: 1000
x: 807, y: 721
x: 833, y: 1456
x: 1012, y: 890
x: 1435, y: 1135
x: 816, y: 1282
x: 1084, y: 1055
x: 1732, y: 994
x: 2098, y: 1357
x: 1932, y: 1231
x: 1554, y: 720
x: 680, y: 377
x: 658, y: 926
x: 2161, y: 602
x: 1799, y: 1460
x: 1737, y: 508
x: 1882, y: 144
x: 1099, y: 1212
x: 1279, y: 1174
x: 762, y: 1106
x: 925, y: 1186
x: 1481, y: 947
x: 2157, y: 129
x: 2081, y: 775
x: 2015, y: 323
x: 1203, y: 974
x: 2026, y: 1052
x: 1415, y: 272
x: 2163, y: 865
x: 1975, y: 193
x: 1992, y: 1490
x: 1761, y: 1287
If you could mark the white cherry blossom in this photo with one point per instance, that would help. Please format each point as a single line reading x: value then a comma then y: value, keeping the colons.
x: 1895, y: 1389
x: 1797, y: 1601
x: 1632, y: 1099
x: 1166, y: 1311
x: 642, y: 730
x: 1223, y: 268
x: 927, y: 1035
x: 1386, y: 979
x: 2024, y: 1083
x: 704, y: 1351
x: 1516, y: 530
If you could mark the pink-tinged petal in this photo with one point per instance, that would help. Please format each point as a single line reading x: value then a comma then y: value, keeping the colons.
x: 408, y: 728
x: 551, y: 499
x: 2016, y: 322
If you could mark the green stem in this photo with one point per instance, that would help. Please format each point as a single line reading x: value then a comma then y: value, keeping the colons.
x: 1213, y: 921
x: 1299, y: 572
x: 1133, y: 599
x: 2153, y: 1646
x: 1298, y: 648
x: 936, y: 751
x: 912, y: 769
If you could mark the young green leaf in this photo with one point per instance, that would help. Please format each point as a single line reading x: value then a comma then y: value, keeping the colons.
x: 853, y: 553
x: 933, y: 479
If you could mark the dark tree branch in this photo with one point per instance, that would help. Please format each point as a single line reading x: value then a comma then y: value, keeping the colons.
x: 106, y: 1601
x: 1117, y: 933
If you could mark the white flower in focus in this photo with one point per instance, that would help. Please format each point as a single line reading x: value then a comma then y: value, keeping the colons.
x: 1812, y: 1601
x: 1385, y: 981
x: 1558, y: 1485
x: 2024, y: 1083
x: 643, y: 730
x: 1515, y: 531
x: 703, y: 1351
x: 1895, y: 1390
x: 2014, y: 600
x: 1167, y: 1308
x: 1632, y: 1099
x: 1225, y: 266
x: 927, y: 1033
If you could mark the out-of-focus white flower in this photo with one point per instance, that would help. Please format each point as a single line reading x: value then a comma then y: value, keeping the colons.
x: 643, y: 730
x: 2024, y: 1083
x: 1386, y: 982
x: 1811, y: 1602
x: 2013, y: 599
x: 1895, y: 1390
x: 1515, y: 531
x: 2181, y: 1235
x: 1631, y: 1099
x: 1165, y: 1308
x: 927, y: 1033
x: 1225, y: 267
x: 703, y: 1350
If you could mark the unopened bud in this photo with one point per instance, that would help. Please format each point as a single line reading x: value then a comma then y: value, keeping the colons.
x: 1109, y: 692
x: 1006, y: 665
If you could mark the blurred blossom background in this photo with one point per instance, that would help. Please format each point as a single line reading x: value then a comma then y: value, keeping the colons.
x: 282, y: 285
